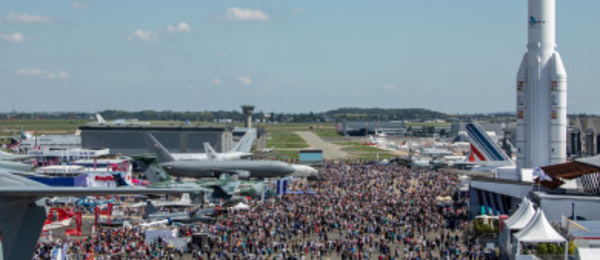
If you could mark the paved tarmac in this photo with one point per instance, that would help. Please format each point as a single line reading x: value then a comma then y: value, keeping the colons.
x: 330, y: 151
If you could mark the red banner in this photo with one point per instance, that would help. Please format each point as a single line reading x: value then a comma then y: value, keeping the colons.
x: 79, y: 222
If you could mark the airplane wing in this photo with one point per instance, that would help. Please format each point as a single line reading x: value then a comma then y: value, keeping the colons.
x: 228, y: 188
x: 14, y: 157
x: 37, y: 191
x: 23, y: 214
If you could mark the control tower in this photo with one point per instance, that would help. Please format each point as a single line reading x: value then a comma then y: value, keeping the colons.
x: 248, y: 110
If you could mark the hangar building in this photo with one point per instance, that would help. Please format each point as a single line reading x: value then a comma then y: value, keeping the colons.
x: 129, y: 139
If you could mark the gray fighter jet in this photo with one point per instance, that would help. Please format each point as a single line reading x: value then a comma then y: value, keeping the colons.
x: 201, y: 169
x: 23, y: 213
x: 227, y: 188
x: 151, y: 213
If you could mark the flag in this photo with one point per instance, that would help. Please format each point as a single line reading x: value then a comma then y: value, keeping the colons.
x: 520, y: 85
x: 520, y: 114
x: 96, y: 212
x: 541, y: 175
x: 78, y: 221
x: 110, y: 205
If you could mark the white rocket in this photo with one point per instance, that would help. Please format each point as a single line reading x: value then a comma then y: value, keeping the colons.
x: 541, y: 92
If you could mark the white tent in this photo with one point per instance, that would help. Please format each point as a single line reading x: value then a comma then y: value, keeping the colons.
x: 539, y: 230
x: 240, y: 206
x: 516, y: 222
x: 521, y: 217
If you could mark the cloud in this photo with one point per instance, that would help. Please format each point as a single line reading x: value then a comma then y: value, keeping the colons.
x: 390, y: 86
x: 14, y: 17
x: 245, y: 80
x: 80, y: 6
x: 181, y: 27
x: 242, y: 15
x: 15, y: 37
x: 216, y: 81
x: 142, y: 36
x: 42, y: 73
x: 298, y: 10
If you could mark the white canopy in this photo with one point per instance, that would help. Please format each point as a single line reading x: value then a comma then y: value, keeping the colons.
x: 539, y: 230
x: 522, y: 216
x: 240, y: 206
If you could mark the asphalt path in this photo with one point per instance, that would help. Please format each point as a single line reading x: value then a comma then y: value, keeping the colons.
x: 330, y: 151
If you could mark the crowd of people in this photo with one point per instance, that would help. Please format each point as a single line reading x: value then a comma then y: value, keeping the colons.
x: 356, y: 210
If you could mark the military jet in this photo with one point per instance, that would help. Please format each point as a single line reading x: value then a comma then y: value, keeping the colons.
x: 226, y: 188
x: 203, y: 169
x: 23, y: 213
x: 199, y: 215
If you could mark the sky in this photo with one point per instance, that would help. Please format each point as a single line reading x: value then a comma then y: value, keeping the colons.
x: 457, y: 56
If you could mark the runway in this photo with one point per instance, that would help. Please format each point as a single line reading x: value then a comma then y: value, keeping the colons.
x: 330, y: 151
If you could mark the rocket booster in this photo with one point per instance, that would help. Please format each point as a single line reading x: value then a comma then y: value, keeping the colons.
x: 541, y: 92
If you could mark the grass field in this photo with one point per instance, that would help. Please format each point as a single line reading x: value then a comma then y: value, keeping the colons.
x: 345, y: 143
x: 285, y: 140
x: 286, y: 154
x: 41, y: 126
x: 282, y: 136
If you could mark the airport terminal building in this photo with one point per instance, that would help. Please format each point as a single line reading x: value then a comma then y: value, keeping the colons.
x: 129, y: 139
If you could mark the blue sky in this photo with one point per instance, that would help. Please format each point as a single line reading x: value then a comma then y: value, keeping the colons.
x: 456, y: 56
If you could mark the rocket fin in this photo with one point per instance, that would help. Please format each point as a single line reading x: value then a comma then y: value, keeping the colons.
x: 522, y: 74
x: 557, y: 70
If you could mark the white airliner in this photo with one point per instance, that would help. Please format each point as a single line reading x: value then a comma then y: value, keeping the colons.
x: 101, y: 121
x: 239, y: 151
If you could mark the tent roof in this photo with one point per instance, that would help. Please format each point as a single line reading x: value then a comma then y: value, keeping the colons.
x: 539, y: 230
x: 241, y: 206
x: 522, y: 216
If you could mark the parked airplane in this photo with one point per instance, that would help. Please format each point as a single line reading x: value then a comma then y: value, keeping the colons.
x: 23, y: 213
x: 90, y: 203
x: 266, y: 150
x: 151, y: 213
x: 185, y: 201
x: 436, y: 152
x: 58, y: 218
x: 101, y: 121
x: 240, y: 150
x: 156, y: 223
x: 17, y: 139
x: 202, y: 169
x: 227, y: 188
